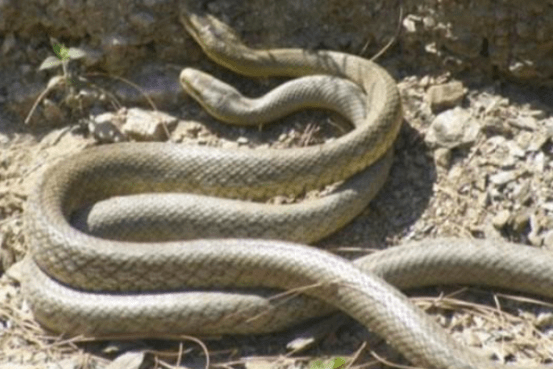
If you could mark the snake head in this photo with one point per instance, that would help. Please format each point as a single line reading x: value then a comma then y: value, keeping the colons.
x: 215, y: 37
x: 220, y: 42
x: 215, y: 96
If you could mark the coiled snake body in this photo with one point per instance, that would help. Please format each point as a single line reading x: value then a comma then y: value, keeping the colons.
x: 80, y: 284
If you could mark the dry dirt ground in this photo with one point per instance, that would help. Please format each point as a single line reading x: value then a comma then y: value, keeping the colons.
x: 490, y: 177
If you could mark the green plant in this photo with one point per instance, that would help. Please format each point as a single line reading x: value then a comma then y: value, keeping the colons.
x: 334, y: 363
x: 63, y: 56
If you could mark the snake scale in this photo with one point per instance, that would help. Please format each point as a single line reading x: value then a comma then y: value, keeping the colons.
x: 78, y: 283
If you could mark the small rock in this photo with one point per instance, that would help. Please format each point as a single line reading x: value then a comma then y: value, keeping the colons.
x: 226, y: 144
x: 410, y: 23
x: 540, y: 162
x: 480, y: 183
x: 501, y: 219
x: 533, y: 236
x: 537, y: 114
x: 495, y: 126
x: 515, y: 149
x: 491, y: 145
x: 187, y: 129
x: 523, y: 69
x: 508, y: 162
x: 524, y: 122
x: 522, y: 192
x: 520, y: 220
x: 456, y: 174
x: 15, y: 271
x: 502, y: 178
x: 446, y: 95
x: 451, y: 129
x: 105, y: 128
x: 442, y: 157
x: 544, y: 319
x: 495, y: 104
x: 127, y: 360
x: 424, y: 82
x: 539, y: 139
x: 431, y: 48
x: 242, y: 140
x: 69, y: 363
x: 483, y: 199
x: 146, y: 125
x: 429, y: 22
x: 494, y: 194
x: 547, y: 206
x: 490, y: 232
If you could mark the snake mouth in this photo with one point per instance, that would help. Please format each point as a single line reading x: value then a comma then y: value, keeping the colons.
x: 187, y: 78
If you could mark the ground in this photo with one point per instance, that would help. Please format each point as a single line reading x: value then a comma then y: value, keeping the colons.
x: 489, y: 177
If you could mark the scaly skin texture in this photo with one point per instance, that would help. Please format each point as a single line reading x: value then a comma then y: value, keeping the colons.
x: 139, y: 289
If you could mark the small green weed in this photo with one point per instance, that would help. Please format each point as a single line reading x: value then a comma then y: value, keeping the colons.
x: 335, y: 363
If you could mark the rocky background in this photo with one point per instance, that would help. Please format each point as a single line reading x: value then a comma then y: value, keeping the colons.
x: 479, y: 40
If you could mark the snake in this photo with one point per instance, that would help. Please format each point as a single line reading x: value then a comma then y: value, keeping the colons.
x: 120, y: 285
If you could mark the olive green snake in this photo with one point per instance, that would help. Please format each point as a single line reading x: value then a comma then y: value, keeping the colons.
x: 77, y: 283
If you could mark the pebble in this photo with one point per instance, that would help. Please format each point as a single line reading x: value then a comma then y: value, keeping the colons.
x: 451, y: 129
x: 508, y: 162
x: 146, y: 125
x: 502, y: 178
x: 521, y: 192
x: 495, y: 126
x: 186, y: 129
x: 524, y: 122
x: 425, y: 81
x: 515, y: 149
x: 69, y: 363
x: 409, y: 23
x: 446, y: 96
x: 227, y: 144
x: 501, y: 219
x: 104, y: 128
x: 242, y: 140
x: 537, y: 141
x: 539, y: 162
x: 543, y: 320
x: 520, y: 220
